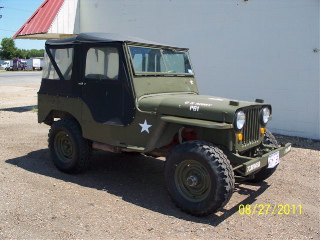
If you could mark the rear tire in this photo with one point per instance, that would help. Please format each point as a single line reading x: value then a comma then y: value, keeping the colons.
x: 199, y: 178
x: 70, y: 152
x: 265, y: 172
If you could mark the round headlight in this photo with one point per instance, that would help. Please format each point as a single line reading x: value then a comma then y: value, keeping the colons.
x: 240, y: 119
x: 265, y: 115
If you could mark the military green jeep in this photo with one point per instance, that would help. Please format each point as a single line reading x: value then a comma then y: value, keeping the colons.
x: 123, y: 94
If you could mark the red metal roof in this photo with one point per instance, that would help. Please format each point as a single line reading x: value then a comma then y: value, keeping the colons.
x: 41, y: 19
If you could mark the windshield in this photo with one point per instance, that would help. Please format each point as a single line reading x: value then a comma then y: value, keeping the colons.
x: 156, y: 60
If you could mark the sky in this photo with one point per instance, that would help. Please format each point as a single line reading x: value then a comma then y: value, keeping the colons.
x: 14, y: 14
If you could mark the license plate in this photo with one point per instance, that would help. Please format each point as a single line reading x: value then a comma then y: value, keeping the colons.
x: 273, y: 160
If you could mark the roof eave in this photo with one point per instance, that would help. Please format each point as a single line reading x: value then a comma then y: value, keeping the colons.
x: 24, y: 33
x: 44, y: 36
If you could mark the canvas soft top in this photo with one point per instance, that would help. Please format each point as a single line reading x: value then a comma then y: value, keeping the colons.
x: 99, y: 37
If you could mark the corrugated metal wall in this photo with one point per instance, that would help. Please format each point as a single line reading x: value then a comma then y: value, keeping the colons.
x: 240, y: 49
x: 66, y: 21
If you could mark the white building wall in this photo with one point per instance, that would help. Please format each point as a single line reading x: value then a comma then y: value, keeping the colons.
x: 67, y: 19
x: 239, y: 49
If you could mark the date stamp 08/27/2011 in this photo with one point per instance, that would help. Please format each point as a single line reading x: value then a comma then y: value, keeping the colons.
x: 265, y: 209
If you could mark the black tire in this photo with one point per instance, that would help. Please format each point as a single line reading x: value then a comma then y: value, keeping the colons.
x: 199, y: 178
x: 269, y: 139
x: 265, y: 172
x: 70, y: 152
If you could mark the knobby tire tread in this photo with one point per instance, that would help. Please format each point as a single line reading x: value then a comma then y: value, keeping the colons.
x: 219, y: 161
x: 83, y: 145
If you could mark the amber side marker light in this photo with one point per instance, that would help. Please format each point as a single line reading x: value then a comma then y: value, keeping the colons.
x: 262, y: 130
x: 240, y: 137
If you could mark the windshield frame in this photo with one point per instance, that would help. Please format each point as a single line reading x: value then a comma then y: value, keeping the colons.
x: 136, y: 73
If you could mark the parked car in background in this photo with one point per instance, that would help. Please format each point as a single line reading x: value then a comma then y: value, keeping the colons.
x: 18, y: 64
x: 15, y: 64
x: 6, y: 64
x: 34, y: 64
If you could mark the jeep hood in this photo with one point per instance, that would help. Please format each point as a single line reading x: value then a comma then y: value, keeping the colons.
x: 194, y: 106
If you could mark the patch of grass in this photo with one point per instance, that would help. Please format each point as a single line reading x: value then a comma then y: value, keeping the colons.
x: 34, y: 109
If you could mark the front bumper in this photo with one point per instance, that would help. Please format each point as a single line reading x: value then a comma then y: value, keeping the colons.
x: 247, y: 165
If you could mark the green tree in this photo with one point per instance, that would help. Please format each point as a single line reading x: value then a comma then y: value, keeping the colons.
x: 8, y: 48
x: 35, y: 53
x: 21, y: 53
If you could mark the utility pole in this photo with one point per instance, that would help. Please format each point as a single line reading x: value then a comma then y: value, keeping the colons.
x: 0, y: 9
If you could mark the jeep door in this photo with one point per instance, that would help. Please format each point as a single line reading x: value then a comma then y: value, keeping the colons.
x: 105, y: 88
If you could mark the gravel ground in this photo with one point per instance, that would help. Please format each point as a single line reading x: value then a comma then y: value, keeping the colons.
x: 122, y: 196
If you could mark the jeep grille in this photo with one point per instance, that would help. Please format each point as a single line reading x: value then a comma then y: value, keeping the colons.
x: 251, y: 127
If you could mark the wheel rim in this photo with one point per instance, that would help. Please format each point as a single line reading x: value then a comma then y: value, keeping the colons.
x: 192, y: 180
x: 64, y: 147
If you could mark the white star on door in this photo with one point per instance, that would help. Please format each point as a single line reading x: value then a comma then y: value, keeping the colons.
x: 145, y: 126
